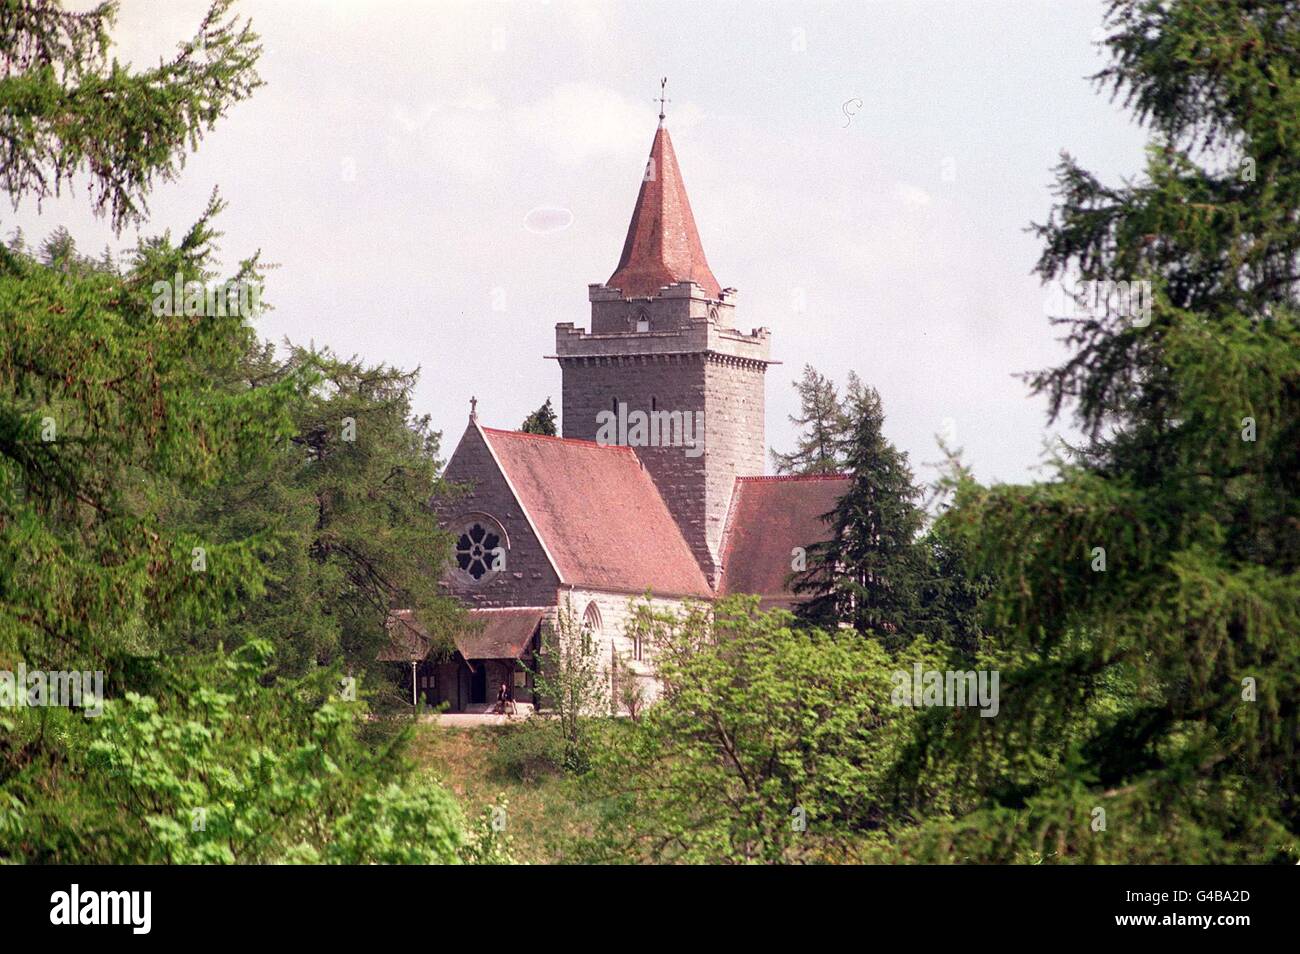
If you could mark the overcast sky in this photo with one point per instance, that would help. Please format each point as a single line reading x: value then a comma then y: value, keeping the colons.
x: 862, y: 172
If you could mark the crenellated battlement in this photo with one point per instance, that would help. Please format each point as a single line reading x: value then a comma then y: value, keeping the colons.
x: 664, y: 342
x: 680, y: 321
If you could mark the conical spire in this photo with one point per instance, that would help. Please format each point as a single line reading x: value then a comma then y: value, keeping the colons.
x: 662, y: 246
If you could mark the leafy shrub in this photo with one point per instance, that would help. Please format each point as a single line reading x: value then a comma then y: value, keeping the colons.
x: 529, y: 751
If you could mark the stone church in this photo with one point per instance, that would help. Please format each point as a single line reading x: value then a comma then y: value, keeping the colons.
x: 633, y: 498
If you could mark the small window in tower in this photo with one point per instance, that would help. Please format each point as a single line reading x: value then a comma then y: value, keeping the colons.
x: 643, y: 320
x: 654, y: 404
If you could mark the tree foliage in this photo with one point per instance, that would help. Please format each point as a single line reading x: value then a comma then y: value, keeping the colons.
x: 127, y: 432
x: 102, y: 403
x: 572, y: 683
x: 67, y: 109
x: 347, y: 498
x: 819, y: 448
x: 210, y: 766
x: 1148, y: 598
x: 772, y: 743
x: 541, y: 421
x: 867, y: 574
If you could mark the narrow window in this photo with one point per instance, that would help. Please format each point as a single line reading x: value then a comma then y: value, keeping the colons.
x: 591, y: 626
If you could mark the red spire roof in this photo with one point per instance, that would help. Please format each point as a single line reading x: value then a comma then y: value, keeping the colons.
x: 662, y: 246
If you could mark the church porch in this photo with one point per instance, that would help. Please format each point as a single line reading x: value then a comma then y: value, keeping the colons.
x: 498, y: 646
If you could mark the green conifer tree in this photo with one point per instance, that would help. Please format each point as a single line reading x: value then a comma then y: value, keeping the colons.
x: 819, y: 448
x: 112, y: 409
x: 541, y: 421
x: 868, y: 573
x: 1148, y: 597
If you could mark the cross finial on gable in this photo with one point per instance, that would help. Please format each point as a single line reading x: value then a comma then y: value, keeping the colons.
x: 473, y: 409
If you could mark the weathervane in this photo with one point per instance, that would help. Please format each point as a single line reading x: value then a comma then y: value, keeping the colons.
x: 663, y: 84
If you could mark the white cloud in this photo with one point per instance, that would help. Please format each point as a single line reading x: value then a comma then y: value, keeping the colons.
x: 912, y: 195
x: 457, y: 119
x: 579, y: 122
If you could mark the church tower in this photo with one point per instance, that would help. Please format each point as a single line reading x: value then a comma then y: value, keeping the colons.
x: 663, y: 342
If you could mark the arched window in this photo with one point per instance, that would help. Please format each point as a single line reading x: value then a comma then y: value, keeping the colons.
x: 636, y: 646
x: 591, y: 625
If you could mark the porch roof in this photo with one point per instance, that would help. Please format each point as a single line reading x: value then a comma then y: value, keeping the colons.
x: 499, y: 633
x: 408, y: 641
x: 489, y: 634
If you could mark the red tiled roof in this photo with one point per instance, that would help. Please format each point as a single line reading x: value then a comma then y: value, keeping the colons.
x: 769, y: 517
x: 662, y: 246
x: 598, y: 514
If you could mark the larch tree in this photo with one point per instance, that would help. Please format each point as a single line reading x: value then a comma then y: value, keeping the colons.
x: 819, y: 446
x: 114, y: 403
x: 1148, y: 597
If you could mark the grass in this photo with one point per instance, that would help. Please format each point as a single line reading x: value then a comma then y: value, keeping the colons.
x: 543, y: 813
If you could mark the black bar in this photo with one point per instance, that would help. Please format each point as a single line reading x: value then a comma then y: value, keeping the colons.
x: 317, y: 903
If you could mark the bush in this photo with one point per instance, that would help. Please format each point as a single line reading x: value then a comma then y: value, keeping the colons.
x: 416, y: 824
x: 771, y: 743
x: 235, y: 772
x: 529, y: 751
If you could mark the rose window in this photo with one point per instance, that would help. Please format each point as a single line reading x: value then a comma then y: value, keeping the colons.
x: 477, y: 550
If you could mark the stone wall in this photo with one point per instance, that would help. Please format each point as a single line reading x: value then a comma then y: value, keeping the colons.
x: 527, y: 578
x: 672, y: 308
x: 648, y: 382
x: 685, y: 362
x: 736, y: 445
x: 615, y: 613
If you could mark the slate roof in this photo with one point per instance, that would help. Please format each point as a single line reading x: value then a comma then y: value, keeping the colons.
x: 499, y: 633
x: 408, y: 639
